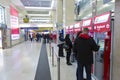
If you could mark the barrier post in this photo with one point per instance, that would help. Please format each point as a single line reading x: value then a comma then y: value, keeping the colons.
x: 52, y: 56
x: 50, y: 48
x: 58, y: 62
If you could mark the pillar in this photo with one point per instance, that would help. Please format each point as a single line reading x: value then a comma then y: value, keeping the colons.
x: 116, y: 43
x: 59, y: 14
x: 68, y: 11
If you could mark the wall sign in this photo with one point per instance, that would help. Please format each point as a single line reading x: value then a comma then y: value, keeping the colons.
x: 87, y: 24
x: 14, y: 24
x: 102, y: 22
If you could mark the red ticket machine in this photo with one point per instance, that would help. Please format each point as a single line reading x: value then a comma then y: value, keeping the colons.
x: 107, y: 50
x: 102, y: 29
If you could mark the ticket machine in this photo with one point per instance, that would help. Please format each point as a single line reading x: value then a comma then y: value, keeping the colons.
x: 102, y: 57
x: 102, y: 29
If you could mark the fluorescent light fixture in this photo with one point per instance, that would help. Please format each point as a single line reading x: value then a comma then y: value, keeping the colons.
x: 34, y: 18
x: 44, y: 8
x: 38, y: 15
x: 39, y: 20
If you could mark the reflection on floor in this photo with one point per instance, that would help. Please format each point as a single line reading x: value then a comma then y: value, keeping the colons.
x: 19, y: 62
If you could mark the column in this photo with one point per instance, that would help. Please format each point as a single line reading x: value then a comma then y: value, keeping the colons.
x: 116, y: 44
x: 68, y: 11
x: 59, y: 14
x: 53, y: 16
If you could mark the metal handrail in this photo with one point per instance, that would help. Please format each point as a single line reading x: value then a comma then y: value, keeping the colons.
x: 58, y: 60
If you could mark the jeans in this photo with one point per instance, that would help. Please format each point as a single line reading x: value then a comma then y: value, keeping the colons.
x: 79, y: 72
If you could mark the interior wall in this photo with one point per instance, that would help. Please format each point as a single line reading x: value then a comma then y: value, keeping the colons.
x: 6, y: 4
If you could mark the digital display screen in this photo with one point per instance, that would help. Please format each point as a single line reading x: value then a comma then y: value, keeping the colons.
x: 101, y: 44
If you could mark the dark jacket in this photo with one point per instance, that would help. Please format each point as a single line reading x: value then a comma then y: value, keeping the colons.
x: 84, y: 46
x: 68, y: 41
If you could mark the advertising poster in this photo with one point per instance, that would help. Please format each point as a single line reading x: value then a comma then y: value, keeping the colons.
x: 77, y: 27
x: 102, y: 22
x: 14, y: 23
x: 87, y: 24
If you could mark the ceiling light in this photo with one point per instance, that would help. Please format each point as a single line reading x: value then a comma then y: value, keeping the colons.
x: 44, y: 8
x: 38, y: 15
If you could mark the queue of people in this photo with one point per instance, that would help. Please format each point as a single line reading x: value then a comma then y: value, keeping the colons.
x: 82, y: 48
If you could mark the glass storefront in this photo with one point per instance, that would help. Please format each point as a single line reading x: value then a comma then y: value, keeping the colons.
x: 2, y: 15
x: 2, y: 22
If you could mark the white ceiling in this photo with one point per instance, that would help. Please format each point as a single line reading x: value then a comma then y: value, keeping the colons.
x: 36, y: 8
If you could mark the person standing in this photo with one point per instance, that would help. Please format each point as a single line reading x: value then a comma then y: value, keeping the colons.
x: 73, y: 56
x: 68, y: 50
x: 31, y: 37
x: 83, y: 48
x: 60, y: 45
x: 37, y: 37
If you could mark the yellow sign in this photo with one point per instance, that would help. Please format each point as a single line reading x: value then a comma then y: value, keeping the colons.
x: 26, y: 20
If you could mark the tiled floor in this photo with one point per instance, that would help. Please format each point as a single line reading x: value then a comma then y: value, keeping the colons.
x: 19, y: 62
x: 66, y: 72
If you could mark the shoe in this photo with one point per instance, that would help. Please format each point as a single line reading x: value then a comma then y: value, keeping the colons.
x: 69, y: 64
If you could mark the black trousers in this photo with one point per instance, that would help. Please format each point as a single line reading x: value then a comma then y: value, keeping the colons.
x: 68, y: 55
x: 79, y: 72
x: 61, y: 54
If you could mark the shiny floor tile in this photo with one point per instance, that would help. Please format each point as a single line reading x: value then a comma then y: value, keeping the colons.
x: 66, y: 72
x: 20, y: 61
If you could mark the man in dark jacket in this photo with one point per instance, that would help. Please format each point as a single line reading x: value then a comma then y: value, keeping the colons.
x: 68, y: 50
x: 83, y: 48
x: 61, y: 41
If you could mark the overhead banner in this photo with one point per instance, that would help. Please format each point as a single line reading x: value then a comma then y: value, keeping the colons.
x: 102, y: 22
x: 87, y: 24
x: 14, y: 24
x: 77, y: 27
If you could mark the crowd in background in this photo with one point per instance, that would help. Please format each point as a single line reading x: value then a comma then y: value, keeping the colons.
x: 38, y: 36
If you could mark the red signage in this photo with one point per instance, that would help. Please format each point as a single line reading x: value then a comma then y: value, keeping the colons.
x: 87, y: 24
x: 14, y: 23
x: 102, y: 22
x: 77, y: 27
x: 13, y: 11
x: 15, y: 31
